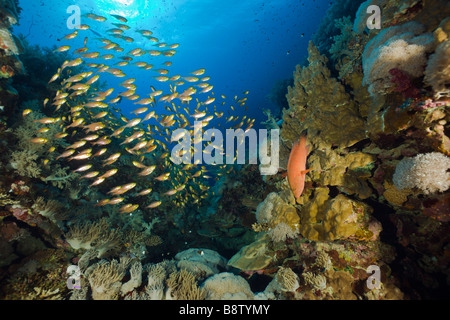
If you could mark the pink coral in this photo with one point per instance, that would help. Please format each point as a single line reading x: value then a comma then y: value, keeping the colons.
x: 19, y: 212
x: 19, y: 188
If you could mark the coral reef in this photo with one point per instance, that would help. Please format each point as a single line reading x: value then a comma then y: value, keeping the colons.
x: 378, y: 187
x: 373, y: 107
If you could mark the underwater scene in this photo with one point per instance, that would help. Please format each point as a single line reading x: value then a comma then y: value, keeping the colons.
x: 224, y: 150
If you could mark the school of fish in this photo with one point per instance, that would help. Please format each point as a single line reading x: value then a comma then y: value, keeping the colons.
x: 100, y: 135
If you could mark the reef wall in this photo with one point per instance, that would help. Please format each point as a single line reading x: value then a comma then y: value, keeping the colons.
x: 374, y: 106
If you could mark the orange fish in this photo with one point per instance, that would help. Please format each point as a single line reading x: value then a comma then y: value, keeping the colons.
x: 296, y: 170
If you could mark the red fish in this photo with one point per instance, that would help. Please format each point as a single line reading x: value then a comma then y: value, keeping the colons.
x: 296, y: 170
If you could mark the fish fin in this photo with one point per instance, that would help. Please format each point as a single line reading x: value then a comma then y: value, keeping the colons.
x: 305, y: 171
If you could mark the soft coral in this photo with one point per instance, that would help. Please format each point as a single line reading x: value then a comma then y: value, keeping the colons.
x: 403, y: 84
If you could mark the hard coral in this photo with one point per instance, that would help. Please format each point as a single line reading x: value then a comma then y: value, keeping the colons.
x: 275, y: 210
x: 325, y: 218
x: 320, y: 101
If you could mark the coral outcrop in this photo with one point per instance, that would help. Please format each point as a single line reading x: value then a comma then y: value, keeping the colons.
x: 317, y: 101
x: 379, y: 156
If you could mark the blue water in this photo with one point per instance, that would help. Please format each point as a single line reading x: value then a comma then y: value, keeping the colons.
x: 243, y: 45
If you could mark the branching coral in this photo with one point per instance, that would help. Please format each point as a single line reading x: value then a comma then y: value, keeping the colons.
x: 28, y: 126
x: 44, y: 294
x: 271, y: 123
x: 341, y: 40
x: 327, y: 29
x: 319, y: 104
x: 60, y: 178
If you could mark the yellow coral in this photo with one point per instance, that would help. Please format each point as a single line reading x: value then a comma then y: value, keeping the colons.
x: 284, y: 213
x: 348, y: 171
x: 318, y: 101
x: 395, y: 196
x: 326, y: 219
x: 442, y: 33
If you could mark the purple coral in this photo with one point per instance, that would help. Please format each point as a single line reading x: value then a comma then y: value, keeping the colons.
x: 403, y: 84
